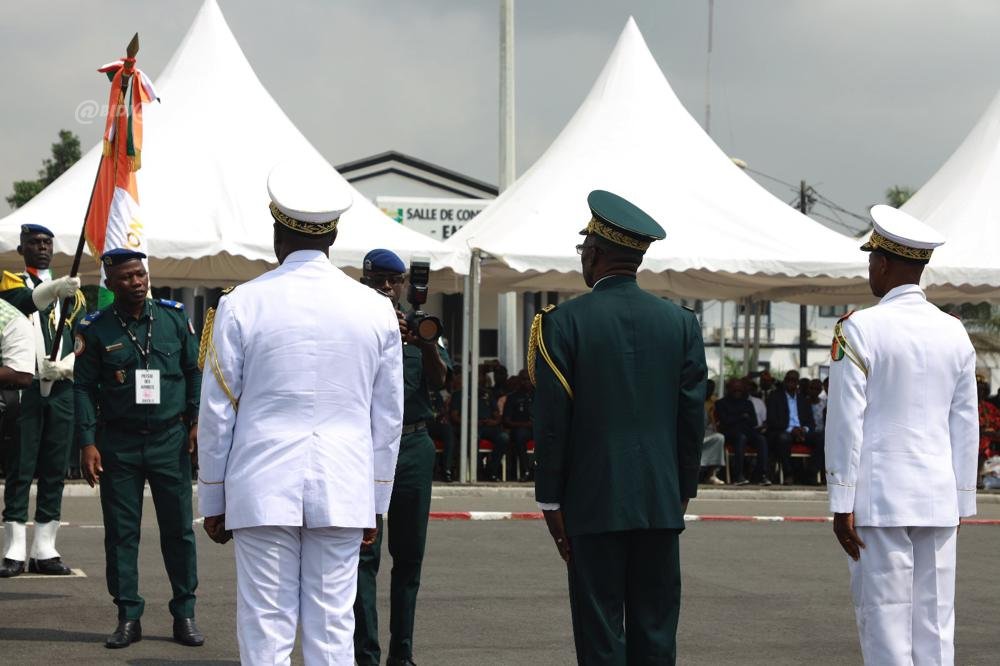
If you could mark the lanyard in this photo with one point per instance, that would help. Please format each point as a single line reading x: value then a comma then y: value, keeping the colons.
x: 144, y: 353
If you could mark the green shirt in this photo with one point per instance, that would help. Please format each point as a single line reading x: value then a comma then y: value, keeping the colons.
x: 416, y: 391
x: 623, y: 451
x: 107, y: 358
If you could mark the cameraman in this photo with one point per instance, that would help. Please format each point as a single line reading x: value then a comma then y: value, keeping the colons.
x: 425, y: 369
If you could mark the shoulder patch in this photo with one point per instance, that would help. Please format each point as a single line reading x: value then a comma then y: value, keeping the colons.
x: 79, y: 344
x: 90, y: 318
x: 175, y: 305
x: 12, y: 281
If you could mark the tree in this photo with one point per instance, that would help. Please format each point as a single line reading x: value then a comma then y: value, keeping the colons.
x: 65, y: 153
x: 897, y: 195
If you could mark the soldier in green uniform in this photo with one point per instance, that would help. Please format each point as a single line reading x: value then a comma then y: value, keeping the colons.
x: 137, y: 392
x: 45, y: 420
x: 619, y: 422
x: 425, y: 369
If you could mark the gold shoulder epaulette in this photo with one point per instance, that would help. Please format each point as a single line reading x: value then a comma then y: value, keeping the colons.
x: 11, y: 281
x: 841, y: 348
x: 537, y: 344
x: 206, y: 347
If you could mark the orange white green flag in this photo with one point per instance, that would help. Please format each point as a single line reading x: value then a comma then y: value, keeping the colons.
x: 113, y: 219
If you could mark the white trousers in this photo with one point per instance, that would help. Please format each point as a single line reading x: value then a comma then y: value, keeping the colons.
x: 287, y: 573
x: 904, y: 595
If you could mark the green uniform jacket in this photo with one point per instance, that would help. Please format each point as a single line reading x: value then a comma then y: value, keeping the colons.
x: 624, y: 451
x: 106, y: 361
x: 416, y: 389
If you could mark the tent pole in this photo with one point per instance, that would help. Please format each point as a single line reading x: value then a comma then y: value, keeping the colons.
x: 463, y: 445
x: 755, y: 354
x: 474, y: 369
x: 747, y: 304
x: 722, y: 349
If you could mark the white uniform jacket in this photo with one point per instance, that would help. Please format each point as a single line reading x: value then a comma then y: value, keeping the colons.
x: 902, y: 434
x: 315, y: 359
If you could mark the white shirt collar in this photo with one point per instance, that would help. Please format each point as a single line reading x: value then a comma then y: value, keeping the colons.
x: 903, y: 290
x: 303, y: 256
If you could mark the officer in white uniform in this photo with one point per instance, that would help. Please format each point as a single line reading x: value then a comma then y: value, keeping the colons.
x: 301, y: 414
x: 902, y: 435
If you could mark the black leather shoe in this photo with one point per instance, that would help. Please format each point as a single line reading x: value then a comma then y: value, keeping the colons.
x: 186, y: 632
x: 447, y: 476
x: 50, y: 567
x: 128, y: 632
x: 11, y: 568
x: 400, y: 661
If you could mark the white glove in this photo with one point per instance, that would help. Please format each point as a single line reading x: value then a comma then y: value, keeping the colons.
x: 49, y: 371
x: 48, y: 292
x: 66, y: 366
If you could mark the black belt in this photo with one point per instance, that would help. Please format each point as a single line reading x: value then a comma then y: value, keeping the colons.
x: 414, y: 427
x: 134, y: 428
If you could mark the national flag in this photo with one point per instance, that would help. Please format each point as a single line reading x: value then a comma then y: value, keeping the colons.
x: 113, y: 220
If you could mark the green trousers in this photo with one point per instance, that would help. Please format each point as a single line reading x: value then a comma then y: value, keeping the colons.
x: 129, y: 461
x: 46, y: 435
x: 625, y: 584
x: 409, y: 511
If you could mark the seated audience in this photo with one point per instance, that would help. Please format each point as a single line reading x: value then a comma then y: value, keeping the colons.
x: 713, y: 451
x: 989, y: 424
x: 517, y: 421
x: 737, y: 421
x: 790, y: 421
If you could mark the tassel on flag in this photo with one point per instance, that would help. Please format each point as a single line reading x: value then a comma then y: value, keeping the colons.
x: 113, y: 219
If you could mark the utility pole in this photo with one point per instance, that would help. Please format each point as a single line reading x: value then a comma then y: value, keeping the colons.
x: 508, y: 316
x: 708, y: 70
x: 803, y: 324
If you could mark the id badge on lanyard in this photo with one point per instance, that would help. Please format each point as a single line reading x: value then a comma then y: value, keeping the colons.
x: 147, y: 387
x: 147, y: 381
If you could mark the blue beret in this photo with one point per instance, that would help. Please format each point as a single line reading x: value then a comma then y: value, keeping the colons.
x: 28, y: 229
x: 120, y: 255
x: 385, y: 261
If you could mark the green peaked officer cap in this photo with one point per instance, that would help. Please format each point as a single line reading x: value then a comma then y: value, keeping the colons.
x: 622, y: 222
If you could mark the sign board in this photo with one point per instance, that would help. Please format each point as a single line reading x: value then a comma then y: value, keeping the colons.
x: 435, y: 217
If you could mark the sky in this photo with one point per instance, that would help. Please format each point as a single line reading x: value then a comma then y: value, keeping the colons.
x: 851, y: 96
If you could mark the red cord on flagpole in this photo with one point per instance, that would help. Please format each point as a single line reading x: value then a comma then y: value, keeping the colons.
x: 67, y: 305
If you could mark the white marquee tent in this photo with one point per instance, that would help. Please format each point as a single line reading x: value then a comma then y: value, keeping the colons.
x: 727, y: 237
x: 962, y: 201
x: 208, y: 149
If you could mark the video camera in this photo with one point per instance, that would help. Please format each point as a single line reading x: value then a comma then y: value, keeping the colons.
x: 421, y: 324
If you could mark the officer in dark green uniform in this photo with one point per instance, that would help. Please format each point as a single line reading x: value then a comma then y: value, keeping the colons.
x: 137, y: 393
x: 425, y: 369
x: 619, y: 422
x: 45, y: 422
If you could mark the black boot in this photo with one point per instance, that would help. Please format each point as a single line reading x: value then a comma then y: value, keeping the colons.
x: 186, y: 632
x: 50, y: 567
x: 11, y: 568
x: 128, y: 632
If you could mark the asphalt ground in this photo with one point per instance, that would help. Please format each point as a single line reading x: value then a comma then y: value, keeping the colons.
x: 495, y: 593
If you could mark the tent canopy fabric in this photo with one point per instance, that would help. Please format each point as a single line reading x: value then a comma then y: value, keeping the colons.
x: 209, y: 147
x: 961, y: 201
x: 727, y: 237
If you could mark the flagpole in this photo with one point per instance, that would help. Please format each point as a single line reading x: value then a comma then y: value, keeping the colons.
x: 67, y: 305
